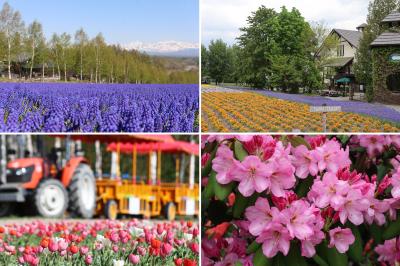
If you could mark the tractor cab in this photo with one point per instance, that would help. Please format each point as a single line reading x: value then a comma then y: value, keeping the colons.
x: 50, y: 184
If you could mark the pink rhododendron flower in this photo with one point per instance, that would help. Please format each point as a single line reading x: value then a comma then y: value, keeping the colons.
x: 395, y: 181
x: 299, y: 218
x: 305, y: 161
x: 352, y: 207
x: 276, y: 238
x: 332, y: 157
x: 251, y: 175
x: 223, y: 163
x: 259, y: 215
x: 341, y: 239
x: 261, y: 146
x: 375, y: 144
x: 389, y: 251
x: 281, y: 176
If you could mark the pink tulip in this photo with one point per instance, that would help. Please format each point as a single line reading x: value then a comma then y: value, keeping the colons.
x: 84, y: 250
x: 134, y: 259
x: 88, y: 259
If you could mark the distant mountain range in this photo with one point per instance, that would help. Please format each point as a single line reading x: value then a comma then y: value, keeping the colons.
x: 166, y: 48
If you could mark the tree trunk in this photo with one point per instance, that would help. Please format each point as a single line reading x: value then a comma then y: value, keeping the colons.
x: 9, y: 58
x: 43, y: 71
x: 81, y: 64
x: 33, y: 59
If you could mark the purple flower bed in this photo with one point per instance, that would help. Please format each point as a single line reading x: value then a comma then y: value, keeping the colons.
x: 68, y: 107
x: 364, y: 108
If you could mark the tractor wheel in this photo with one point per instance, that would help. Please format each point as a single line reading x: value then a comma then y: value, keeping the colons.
x: 51, y: 198
x: 6, y: 208
x: 170, y: 211
x: 111, y: 210
x: 82, y: 192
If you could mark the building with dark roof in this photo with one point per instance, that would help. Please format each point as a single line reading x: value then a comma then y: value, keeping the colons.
x: 386, y: 62
x: 338, y: 68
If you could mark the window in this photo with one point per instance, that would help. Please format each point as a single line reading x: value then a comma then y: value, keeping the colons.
x: 393, y: 82
x: 340, y: 50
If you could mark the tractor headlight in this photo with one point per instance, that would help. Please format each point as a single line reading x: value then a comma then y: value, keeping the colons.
x: 20, y: 175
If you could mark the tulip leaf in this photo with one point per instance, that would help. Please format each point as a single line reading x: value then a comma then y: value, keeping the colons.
x: 296, y: 141
x: 253, y: 247
x: 304, y: 186
x: 393, y: 230
x: 223, y: 191
x: 260, y: 260
x: 241, y: 203
x: 294, y: 256
x: 356, y: 249
x: 319, y: 261
x: 240, y: 152
x: 208, y: 167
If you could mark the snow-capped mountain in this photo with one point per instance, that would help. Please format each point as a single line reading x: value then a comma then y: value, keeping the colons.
x: 166, y: 48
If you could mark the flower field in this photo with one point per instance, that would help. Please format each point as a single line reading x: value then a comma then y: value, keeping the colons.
x: 66, y: 107
x: 111, y: 243
x: 252, y: 112
x: 301, y: 200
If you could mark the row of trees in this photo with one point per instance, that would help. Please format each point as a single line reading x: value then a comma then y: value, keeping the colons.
x: 275, y: 50
x: 25, y: 52
x: 377, y: 11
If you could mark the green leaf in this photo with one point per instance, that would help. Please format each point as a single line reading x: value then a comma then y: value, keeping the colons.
x: 331, y: 255
x: 356, y: 249
x: 253, y: 247
x: 343, y: 138
x: 240, y: 152
x: 382, y: 170
x: 376, y: 232
x: 241, y: 203
x: 210, y: 188
x: 294, y: 256
x: 335, y: 258
x: 319, y: 261
x: 279, y: 260
x: 260, y: 260
x: 392, y: 230
x: 238, y: 263
x: 223, y: 191
x: 304, y: 186
x: 208, y: 167
x: 296, y: 141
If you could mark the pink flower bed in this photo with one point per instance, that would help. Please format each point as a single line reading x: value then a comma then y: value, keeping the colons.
x: 99, y: 243
x: 300, y: 200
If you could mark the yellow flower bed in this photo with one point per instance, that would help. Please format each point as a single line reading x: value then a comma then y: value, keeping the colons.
x: 252, y: 112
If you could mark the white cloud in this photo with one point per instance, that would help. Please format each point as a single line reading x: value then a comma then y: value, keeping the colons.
x: 160, y: 47
x: 223, y: 18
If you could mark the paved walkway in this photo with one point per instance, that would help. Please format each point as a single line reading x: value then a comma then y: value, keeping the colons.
x: 386, y: 112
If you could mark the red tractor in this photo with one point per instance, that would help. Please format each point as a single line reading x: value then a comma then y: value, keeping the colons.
x: 49, y: 189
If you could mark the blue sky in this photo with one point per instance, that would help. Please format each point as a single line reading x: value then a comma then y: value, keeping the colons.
x: 120, y: 21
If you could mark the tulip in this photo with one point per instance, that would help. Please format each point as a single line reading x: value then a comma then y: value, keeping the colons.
x: 88, y: 259
x: 134, y: 259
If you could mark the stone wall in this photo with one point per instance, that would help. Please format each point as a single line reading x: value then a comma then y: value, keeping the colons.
x: 382, y: 68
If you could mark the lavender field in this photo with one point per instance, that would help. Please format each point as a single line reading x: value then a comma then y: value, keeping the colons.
x: 67, y: 107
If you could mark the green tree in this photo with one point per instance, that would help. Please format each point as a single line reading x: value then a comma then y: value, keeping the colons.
x: 11, y: 26
x: 257, y: 43
x: 218, y: 60
x: 34, y: 38
x: 377, y: 11
x: 65, y: 42
x: 204, y: 61
x: 81, y: 40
